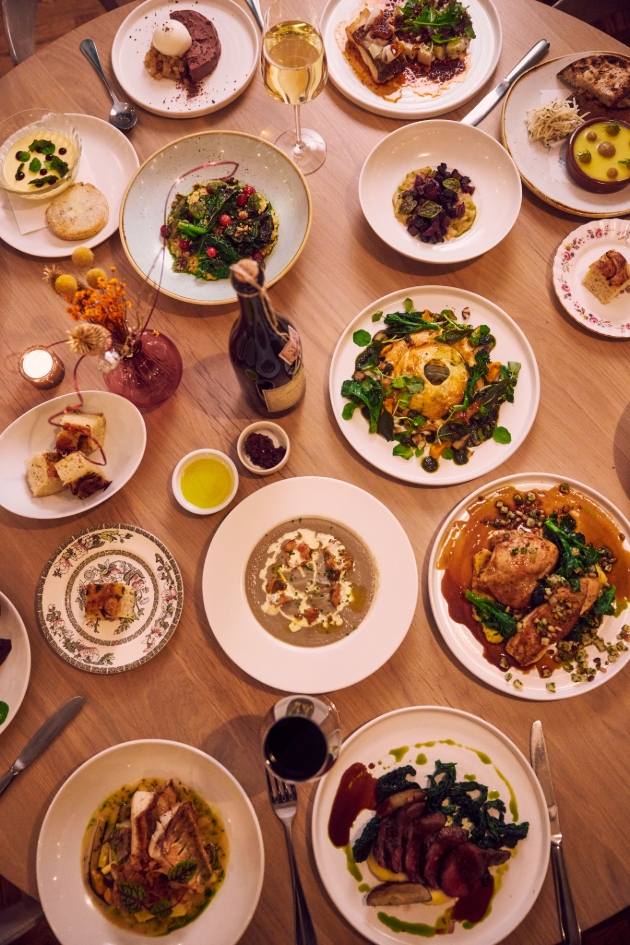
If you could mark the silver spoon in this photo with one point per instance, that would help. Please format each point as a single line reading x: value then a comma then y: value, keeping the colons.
x: 123, y: 115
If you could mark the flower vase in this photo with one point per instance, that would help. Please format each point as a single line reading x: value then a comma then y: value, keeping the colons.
x: 151, y: 374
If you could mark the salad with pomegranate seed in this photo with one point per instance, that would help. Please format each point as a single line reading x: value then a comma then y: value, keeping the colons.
x: 217, y: 224
x: 435, y: 204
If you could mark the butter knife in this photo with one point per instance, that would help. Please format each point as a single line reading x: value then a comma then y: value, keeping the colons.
x: 493, y: 98
x: 42, y: 739
x: 566, y: 910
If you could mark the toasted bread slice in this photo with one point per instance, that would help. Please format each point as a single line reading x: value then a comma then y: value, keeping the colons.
x: 606, y: 77
x: 109, y: 601
x: 81, y: 476
x: 79, y: 212
x: 42, y: 475
x: 607, y: 276
x: 80, y: 431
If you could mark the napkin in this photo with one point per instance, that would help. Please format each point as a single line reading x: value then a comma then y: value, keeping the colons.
x: 31, y: 215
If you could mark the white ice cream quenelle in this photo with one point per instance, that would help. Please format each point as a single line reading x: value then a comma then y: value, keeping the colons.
x: 171, y: 38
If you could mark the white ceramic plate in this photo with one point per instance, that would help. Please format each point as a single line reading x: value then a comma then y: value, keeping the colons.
x: 462, y: 643
x: 16, y: 669
x: 575, y: 254
x: 483, y: 56
x: 543, y: 169
x: 150, y: 194
x: 452, y: 736
x: 512, y: 345
x: 113, y: 162
x: 103, y: 555
x: 472, y: 152
x: 31, y: 433
x: 310, y: 669
x: 240, y: 51
x: 68, y: 905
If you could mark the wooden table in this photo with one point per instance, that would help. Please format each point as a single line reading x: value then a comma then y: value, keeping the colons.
x: 191, y: 692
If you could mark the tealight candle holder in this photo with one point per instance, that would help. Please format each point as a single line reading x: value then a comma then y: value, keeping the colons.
x: 41, y: 367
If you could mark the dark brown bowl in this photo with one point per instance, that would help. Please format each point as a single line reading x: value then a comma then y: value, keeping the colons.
x: 578, y: 175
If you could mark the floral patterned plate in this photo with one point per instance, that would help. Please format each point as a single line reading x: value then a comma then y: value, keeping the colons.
x: 106, y: 554
x: 575, y: 254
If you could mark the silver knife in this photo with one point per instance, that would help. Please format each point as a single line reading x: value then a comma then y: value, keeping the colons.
x: 488, y: 102
x: 254, y: 7
x: 42, y: 739
x: 566, y: 910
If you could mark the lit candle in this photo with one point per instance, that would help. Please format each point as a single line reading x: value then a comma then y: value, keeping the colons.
x: 41, y: 367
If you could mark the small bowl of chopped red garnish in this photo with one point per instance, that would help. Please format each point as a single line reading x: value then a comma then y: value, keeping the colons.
x: 263, y: 447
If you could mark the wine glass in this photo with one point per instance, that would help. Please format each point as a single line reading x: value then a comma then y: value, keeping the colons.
x: 295, y: 71
x: 301, y: 738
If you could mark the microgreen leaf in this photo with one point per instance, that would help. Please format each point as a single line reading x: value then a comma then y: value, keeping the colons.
x: 362, y: 338
x: 183, y: 872
x: 501, y: 435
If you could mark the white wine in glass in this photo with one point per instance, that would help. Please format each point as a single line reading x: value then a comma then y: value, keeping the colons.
x: 295, y: 71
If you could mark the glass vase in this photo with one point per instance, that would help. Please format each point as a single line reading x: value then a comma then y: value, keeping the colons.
x: 150, y: 375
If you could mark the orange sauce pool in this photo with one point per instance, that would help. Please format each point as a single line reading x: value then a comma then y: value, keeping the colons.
x: 466, y: 538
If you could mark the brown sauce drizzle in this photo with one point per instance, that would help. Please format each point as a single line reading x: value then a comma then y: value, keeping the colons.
x: 467, y: 538
x: 356, y: 792
x: 473, y: 907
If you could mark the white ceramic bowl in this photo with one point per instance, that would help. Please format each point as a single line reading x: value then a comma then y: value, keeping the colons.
x: 31, y: 433
x: 278, y: 437
x: 36, y: 122
x: 186, y: 461
x: 70, y: 910
x: 473, y: 153
x: 147, y: 202
x: 16, y: 670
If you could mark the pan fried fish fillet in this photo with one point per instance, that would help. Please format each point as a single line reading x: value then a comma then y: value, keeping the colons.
x: 142, y: 821
x: 177, y: 839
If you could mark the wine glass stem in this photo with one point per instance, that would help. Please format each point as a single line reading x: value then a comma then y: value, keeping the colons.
x: 299, y: 144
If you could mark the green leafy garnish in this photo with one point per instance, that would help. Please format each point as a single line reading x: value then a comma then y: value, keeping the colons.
x: 35, y: 165
x: 418, y: 16
x: 348, y: 411
x: 183, y: 872
x: 493, y: 615
x: 132, y: 896
x: 408, y: 306
x: 362, y: 338
x: 41, y: 181
x: 625, y: 161
x: 401, y: 450
x: 605, y: 604
x: 429, y: 209
x: 42, y: 146
x: 393, y: 782
x: 501, y: 435
x: 576, y: 556
x: 56, y: 164
x: 451, y: 183
x: 363, y: 844
x: 23, y: 156
x: 162, y: 909
x: 368, y: 392
x: 376, y: 317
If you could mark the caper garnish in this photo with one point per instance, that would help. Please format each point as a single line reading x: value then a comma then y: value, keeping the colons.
x: 606, y: 149
x: 612, y: 172
x: 591, y: 136
x: 584, y: 157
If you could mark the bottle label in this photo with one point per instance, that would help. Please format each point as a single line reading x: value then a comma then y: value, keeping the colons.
x: 282, y: 398
x: 291, y: 350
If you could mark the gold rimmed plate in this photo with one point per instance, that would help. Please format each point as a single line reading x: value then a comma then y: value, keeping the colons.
x: 543, y: 169
x: 184, y: 162
x: 105, y: 554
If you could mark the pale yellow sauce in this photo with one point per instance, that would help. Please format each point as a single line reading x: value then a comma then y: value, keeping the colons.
x: 11, y: 163
x: 598, y: 166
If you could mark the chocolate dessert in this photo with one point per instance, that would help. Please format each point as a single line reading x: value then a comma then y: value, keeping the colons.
x: 203, y: 55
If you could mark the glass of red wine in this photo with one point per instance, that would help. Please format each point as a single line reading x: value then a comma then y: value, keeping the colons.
x: 301, y: 738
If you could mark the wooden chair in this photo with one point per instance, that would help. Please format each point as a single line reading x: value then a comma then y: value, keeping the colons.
x: 591, y: 11
x: 18, y: 17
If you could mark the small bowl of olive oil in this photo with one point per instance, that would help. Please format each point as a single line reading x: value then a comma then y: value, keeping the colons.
x: 205, y: 481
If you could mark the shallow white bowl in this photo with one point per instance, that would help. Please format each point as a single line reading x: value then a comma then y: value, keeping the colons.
x: 310, y: 669
x: 16, y: 669
x: 473, y: 153
x: 31, y: 433
x: 69, y: 908
x: 148, y: 199
x: 179, y: 471
x: 483, y: 57
x: 278, y: 437
x: 451, y: 736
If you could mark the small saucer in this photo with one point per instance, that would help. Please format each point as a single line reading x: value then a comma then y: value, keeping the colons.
x: 186, y: 461
x: 278, y: 437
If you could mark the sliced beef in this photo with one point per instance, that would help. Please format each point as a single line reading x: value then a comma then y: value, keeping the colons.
x: 461, y: 869
x: 416, y: 835
x: 382, y: 842
x: 404, y: 819
x: 511, y: 578
x: 437, y: 848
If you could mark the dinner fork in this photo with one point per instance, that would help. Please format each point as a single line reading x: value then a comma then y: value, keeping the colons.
x: 284, y: 801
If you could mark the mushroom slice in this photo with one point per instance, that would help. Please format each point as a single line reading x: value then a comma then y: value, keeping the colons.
x: 398, y: 894
x: 398, y: 800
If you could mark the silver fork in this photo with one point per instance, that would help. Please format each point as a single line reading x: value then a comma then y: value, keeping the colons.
x: 284, y: 801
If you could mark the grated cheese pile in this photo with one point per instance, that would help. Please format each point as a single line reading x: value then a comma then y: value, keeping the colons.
x: 554, y: 121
